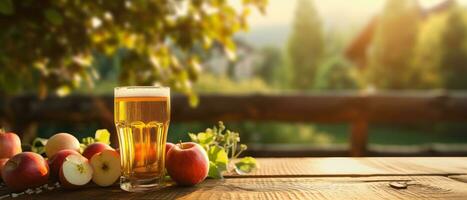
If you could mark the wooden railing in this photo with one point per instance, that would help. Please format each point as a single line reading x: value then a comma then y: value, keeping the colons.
x: 358, y: 109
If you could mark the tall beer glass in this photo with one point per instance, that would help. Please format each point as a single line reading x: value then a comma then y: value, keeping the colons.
x: 142, y: 115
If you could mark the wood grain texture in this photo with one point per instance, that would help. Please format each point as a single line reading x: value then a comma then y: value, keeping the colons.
x: 461, y: 178
x: 419, y: 187
x: 289, y: 167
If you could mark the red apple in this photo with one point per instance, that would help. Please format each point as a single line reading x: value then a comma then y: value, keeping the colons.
x: 25, y: 170
x: 2, y: 164
x: 106, y: 167
x: 56, y: 161
x: 187, y: 163
x: 75, y: 172
x: 95, y: 148
x: 10, y: 144
x: 168, y: 146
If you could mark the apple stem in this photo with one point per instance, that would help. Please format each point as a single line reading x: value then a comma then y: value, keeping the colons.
x: 180, y: 144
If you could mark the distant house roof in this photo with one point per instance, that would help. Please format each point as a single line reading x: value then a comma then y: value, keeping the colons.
x: 357, y: 50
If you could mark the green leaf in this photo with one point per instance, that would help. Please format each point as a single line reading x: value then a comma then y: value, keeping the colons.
x: 82, y: 147
x: 102, y: 135
x: 193, y: 137
x: 53, y: 16
x: 206, y: 138
x: 243, y: 147
x: 218, y: 161
x: 6, y: 7
x: 193, y: 100
x: 87, y: 141
x: 214, y: 171
x: 38, y: 145
x: 246, y: 165
x: 230, y: 49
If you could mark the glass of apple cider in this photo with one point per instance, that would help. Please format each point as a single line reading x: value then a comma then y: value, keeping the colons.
x: 142, y: 116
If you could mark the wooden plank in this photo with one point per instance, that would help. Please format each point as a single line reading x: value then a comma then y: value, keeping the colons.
x: 418, y: 187
x: 316, y: 167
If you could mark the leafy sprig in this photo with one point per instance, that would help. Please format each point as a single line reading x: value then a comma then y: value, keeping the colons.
x: 223, y: 147
x: 101, y: 135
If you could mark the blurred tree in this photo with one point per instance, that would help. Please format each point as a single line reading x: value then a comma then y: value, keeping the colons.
x: 306, y: 45
x: 223, y: 84
x: 269, y: 67
x: 453, y: 62
x: 441, y: 53
x: 335, y: 74
x: 48, y: 45
x: 392, y: 48
x: 427, y: 54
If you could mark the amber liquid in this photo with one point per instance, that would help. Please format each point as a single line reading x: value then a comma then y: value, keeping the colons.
x: 142, y: 124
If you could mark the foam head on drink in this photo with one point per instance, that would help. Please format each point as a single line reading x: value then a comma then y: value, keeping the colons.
x: 142, y: 116
x: 142, y: 91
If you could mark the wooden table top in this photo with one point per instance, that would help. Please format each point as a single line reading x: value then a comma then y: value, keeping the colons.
x: 312, y: 178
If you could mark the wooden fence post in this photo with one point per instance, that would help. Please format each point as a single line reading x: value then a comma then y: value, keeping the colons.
x: 359, y: 137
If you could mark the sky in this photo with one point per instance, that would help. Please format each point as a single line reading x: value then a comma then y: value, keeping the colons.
x: 280, y: 12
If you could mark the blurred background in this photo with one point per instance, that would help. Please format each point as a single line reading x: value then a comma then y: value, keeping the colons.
x: 294, y: 78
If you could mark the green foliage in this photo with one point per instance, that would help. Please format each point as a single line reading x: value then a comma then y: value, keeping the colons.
x: 335, y: 74
x: 101, y: 135
x: 48, y: 46
x: 223, y: 85
x: 38, y: 145
x: 441, y: 53
x: 426, y: 60
x: 246, y: 165
x: 393, y: 45
x: 222, y: 146
x: 269, y: 68
x: 218, y: 161
x: 284, y: 133
x: 6, y: 7
x: 454, y: 50
x: 271, y: 132
x: 306, y: 45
